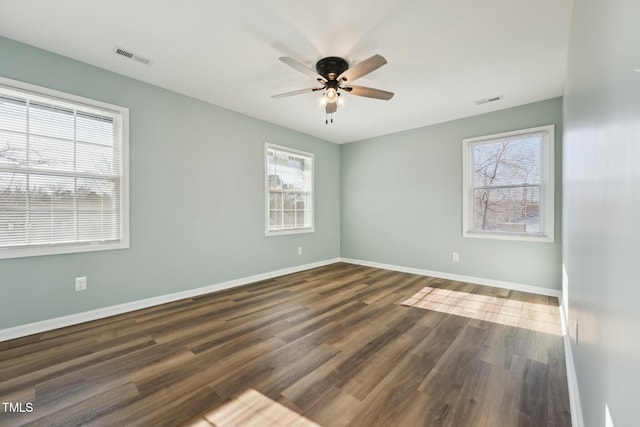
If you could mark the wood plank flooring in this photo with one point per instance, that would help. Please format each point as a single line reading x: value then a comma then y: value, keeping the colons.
x: 332, y: 346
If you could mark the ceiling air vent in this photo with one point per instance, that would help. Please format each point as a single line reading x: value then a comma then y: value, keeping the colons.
x: 487, y: 100
x: 130, y: 55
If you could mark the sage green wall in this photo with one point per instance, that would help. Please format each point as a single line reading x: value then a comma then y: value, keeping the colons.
x: 196, y: 205
x: 602, y: 207
x: 402, y: 201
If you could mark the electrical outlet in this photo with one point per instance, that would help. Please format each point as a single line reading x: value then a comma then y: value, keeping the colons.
x: 81, y: 284
x: 299, y: 250
x: 455, y: 256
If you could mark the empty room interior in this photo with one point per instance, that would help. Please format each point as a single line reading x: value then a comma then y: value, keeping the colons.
x: 279, y: 213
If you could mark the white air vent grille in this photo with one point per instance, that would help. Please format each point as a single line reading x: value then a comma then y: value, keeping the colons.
x: 124, y: 53
x: 130, y: 55
x: 487, y: 100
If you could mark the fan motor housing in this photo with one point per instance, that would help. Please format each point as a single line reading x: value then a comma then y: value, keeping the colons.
x: 331, y: 67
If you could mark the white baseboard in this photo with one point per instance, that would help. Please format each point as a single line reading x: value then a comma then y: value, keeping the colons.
x: 460, y: 278
x: 577, y: 419
x: 87, y: 316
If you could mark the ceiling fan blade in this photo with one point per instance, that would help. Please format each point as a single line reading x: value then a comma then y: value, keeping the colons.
x: 362, y: 69
x: 302, y: 68
x: 331, y: 107
x: 296, y: 92
x: 369, y: 92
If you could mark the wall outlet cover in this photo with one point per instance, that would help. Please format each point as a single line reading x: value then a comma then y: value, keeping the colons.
x: 81, y: 284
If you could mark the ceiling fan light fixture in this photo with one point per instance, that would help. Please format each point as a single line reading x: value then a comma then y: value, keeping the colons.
x: 331, y: 95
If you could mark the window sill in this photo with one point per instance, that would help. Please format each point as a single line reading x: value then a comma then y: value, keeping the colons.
x: 270, y: 233
x: 512, y: 237
x: 8, y: 253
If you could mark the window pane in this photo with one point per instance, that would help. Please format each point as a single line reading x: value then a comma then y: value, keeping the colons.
x: 96, y: 159
x: 289, y: 201
x: 511, y: 210
x: 507, y: 162
x: 51, y: 154
x: 98, y: 209
x: 301, y: 201
x: 288, y: 219
x: 275, y: 219
x: 286, y: 171
x: 302, y: 218
x: 13, y: 215
x: 94, y: 129
x: 13, y: 114
x: 13, y: 149
x: 51, y: 209
x: 275, y: 200
x: 49, y: 120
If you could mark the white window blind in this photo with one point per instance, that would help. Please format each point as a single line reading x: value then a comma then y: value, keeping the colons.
x: 289, y: 190
x: 61, y: 172
x: 509, y: 185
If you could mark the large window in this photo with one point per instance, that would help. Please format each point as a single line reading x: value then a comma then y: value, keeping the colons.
x: 508, y: 185
x: 62, y: 172
x: 289, y: 190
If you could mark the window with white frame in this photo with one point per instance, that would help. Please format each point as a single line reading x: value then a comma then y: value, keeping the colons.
x: 289, y: 190
x: 63, y: 172
x: 508, y: 185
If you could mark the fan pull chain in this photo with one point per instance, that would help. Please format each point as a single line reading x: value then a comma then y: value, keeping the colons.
x: 327, y: 118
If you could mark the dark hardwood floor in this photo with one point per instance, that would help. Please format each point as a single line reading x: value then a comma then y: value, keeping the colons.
x: 333, y: 346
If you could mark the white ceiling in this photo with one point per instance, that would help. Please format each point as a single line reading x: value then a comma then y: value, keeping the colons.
x: 442, y: 54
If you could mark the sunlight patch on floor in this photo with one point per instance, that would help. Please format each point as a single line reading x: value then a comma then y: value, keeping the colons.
x: 253, y: 409
x: 520, y: 314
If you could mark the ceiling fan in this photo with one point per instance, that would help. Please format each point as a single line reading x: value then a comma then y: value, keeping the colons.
x: 335, y: 76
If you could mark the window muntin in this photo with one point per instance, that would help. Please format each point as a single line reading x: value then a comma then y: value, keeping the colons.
x: 508, y: 185
x: 289, y: 190
x: 62, y: 172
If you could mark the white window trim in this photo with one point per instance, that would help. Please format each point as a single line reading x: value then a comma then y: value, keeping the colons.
x: 267, y: 231
x: 6, y: 253
x: 548, y: 188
